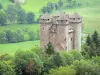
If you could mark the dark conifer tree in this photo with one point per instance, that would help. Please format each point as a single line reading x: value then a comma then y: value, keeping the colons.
x: 50, y: 49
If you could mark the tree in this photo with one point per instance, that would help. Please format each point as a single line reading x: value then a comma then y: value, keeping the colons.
x: 95, y: 38
x: 27, y: 63
x: 88, y: 40
x: 3, y: 18
x: 11, y: 12
x: 43, y: 10
x: 6, y: 68
x: 67, y: 57
x: 1, y: 6
x: 5, y: 57
x: 56, y: 6
x: 11, y: 36
x: 57, y: 60
x: 63, y: 71
x: 19, y: 35
x: 3, y: 38
x: 31, y: 35
x: 60, y: 3
x: 21, y: 16
x: 76, y: 55
x: 50, y: 49
x: 30, y: 17
x: 86, y: 67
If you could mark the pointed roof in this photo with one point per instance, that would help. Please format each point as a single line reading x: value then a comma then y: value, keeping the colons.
x: 45, y: 16
x: 75, y: 15
x: 59, y: 13
x: 62, y: 15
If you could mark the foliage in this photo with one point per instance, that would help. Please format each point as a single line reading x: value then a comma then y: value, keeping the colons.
x: 67, y: 57
x: 3, y: 18
x: 30, y: 17
x: 88, y: 40
x: 11, y: 12
x: 5, y: 57
x: 6, y: 68
x: 49, y: 49
x: 57, y: 60
x: 76, y: 55
x: 96, y: 60
x: 95, y: 38
x: 21, y: 16
x: 3, y: 38
x: 86, y: 67
x: 62, y: 71
x: 92, y: 47
x: 31, y: 35
x: 9, y: 36
x: 27, y: 62
x: 1, y: 6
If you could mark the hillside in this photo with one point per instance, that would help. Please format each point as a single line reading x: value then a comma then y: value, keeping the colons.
x: 29, y: 5
x: 90, y: 13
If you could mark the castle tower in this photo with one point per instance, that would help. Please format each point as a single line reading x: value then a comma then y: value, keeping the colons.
x: 62, y: 30
x: 46, y: 22
x: 76, y: 23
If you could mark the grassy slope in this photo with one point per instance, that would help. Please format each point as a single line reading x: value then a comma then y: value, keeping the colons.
x: 91, y: 18
x: 12, y: 47
x: 35, y: 5
x: 31, y: 27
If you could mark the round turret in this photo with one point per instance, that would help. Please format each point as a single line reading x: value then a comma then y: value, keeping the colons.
x: 63, y: 19
x: 75, y: 18
x: 45, y: 19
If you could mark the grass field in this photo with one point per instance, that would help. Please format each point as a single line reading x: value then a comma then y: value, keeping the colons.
x: 35, y: 5
x: 13, y: 47
x: 31, y: 27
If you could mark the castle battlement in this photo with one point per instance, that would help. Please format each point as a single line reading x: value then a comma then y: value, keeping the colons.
x: 62, y: 30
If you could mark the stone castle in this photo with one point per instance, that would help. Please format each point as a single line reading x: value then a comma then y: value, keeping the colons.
x: 62, y: 30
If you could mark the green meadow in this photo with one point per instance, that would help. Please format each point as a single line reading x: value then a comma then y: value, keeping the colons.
x: 12, y: 47
x: 91, y: 18
x: 90, y: 14
x: 31, y: 27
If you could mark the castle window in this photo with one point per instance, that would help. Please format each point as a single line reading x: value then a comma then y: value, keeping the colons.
x: 65, y: 39
x: 43, y: 19
x: 73, y: 18
x: 66, y: 20
x: 71, y: 39
x: 61, y: 20
x: 78, y: 18
x: 43, y: 28
x: 48, y: 19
